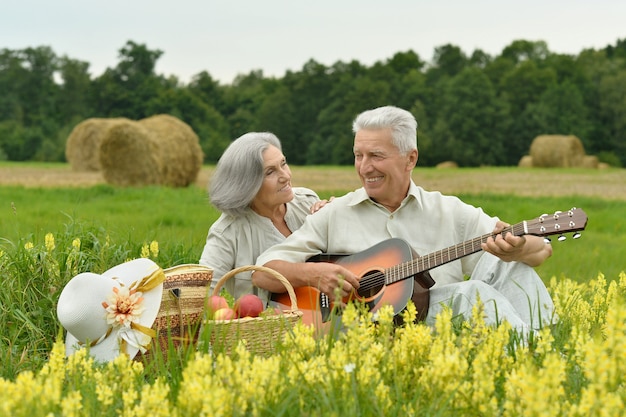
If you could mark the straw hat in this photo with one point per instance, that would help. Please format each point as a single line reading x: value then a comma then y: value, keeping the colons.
x: 112, y: 312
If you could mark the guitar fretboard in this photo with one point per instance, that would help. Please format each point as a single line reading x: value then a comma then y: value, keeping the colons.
x: 424, y: 263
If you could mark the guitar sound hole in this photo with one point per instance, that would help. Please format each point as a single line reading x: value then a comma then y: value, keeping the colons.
x: 371, y: 284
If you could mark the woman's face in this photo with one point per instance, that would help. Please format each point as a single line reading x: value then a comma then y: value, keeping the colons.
x: 276, y: 188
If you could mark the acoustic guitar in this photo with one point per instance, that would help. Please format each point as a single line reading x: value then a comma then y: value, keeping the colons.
x: 384, y: 269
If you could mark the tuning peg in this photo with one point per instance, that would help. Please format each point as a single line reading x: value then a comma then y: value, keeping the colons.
x: 576, y: 235
x: 561, y: 238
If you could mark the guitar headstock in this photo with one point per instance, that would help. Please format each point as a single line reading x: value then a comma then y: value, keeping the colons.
x: 573, y: 220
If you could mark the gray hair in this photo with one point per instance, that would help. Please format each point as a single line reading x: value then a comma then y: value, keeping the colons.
x: 239, y: 173
x: 401, y: 122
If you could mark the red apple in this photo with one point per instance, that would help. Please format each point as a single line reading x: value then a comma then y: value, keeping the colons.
x: 214, y: 303
x: 225, y: 313
x: 248, y: 305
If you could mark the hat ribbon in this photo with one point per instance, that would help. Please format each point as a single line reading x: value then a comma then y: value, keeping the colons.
x: 98, y: 340
x: 137, y: 335
x: 150, y: 282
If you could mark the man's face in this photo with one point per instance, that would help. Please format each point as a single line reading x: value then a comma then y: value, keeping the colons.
x: 384, y: 172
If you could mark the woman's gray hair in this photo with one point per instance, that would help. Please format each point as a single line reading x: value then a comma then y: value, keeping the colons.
x: 401, y: 122
x: 239, y: 172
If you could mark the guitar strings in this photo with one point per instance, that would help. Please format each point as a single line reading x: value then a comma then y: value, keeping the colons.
x: 406, y: 270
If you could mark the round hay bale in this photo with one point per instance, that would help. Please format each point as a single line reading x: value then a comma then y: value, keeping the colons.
x: 447, y: 165
x: 160, y: 150
x: 129, y: 156
x: 590, y: 161
x: 549, y: 151
x: 179, y: 149
x: 82, y: 148
x: 525, y: 162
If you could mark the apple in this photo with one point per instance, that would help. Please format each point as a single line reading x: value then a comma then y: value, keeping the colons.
x: 248, y: 305
x: 225, y: 313
x: 214, y: 303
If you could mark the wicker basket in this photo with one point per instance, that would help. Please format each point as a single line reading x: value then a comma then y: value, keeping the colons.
x: 182, y: 309
x: 261, y: 335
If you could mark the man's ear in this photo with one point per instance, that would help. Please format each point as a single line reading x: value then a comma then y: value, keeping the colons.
x: 412, y: 159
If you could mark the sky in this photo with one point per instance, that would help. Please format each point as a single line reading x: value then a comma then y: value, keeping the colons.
x: 227, y: 38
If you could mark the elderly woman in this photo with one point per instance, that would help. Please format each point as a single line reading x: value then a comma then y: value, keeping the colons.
x: 252, y: 188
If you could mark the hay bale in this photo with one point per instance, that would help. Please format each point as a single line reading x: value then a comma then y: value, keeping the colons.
x: 82, y: 148
x: 128, y: 156
x: 179, y: 148
x: 159, y: 150
x: 447, y: 165
x: 557, y: 151
x: 525, y: 162
x: 590, y: 161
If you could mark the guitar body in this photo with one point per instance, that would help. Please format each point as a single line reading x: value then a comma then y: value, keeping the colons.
x: 369, y: 265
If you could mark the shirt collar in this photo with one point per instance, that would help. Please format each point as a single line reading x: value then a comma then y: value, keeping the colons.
x: 415, y: 193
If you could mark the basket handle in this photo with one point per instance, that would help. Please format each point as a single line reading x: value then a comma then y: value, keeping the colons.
x: 275, y: 274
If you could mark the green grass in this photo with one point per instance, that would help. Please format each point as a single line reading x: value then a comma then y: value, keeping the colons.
x: 173, y: 217
x: 113, y: 224
x: 179, y: 220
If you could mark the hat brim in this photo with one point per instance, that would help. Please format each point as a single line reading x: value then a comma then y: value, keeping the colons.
x: 128, y: 272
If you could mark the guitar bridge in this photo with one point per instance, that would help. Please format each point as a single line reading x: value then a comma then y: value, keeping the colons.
x: 325, y: 307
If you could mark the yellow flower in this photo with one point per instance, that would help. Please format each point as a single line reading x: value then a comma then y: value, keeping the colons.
x: 145, y: 251
x: 154, y: 248
x: 49, y: 242
x: 76, y: 243
x: 123, y: 306
x: 71, y: 404
x: 28, y: 245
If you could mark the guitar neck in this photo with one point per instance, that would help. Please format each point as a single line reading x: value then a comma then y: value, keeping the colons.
x: 427, y: 262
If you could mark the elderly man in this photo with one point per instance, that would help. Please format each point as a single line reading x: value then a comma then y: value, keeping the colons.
x: 389, y: 205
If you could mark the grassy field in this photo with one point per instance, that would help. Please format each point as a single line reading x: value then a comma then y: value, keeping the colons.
x: 36, y: 199
x: 55, y: 223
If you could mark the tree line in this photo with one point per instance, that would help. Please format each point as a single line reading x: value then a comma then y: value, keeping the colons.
x: 471, y: 109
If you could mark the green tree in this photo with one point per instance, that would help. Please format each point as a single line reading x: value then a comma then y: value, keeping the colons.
x: 278, y: 115
x: 243, y: 99
x: 74, y: 91
x: 523, y: 50
x: 123, y: 91
x: 480, y: 59
x: 208, y: 90
x: 612, y: 91
x: 448, y: 60
x: 402, y: 73
x: 350, y: 97
x: 309, y: 94
x: 28, y: 100
x: 525, y: 84
x: 19, y: 142
x: 560, y: 110
x: 12, y: 74
x: 473, y: 131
